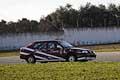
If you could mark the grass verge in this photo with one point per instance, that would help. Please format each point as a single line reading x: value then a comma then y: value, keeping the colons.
x: 61, y: 71
x: 9, y: 53
x: 104, y: 47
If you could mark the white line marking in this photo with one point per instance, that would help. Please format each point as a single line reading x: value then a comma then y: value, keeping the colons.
x: 50, y: 60
x: 81, y: 58
x: 40, y: 57
x: 27, y: 49
x: 24, y: 53
x: 86, y: 58
x: 49, y: 55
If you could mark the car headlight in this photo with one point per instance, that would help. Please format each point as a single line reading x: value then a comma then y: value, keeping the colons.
x: 84, y: 51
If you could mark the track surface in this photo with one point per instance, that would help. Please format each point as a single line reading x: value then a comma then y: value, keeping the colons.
x: 101, y: 57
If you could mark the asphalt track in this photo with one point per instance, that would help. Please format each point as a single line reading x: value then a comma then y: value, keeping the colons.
x: 101, y: 57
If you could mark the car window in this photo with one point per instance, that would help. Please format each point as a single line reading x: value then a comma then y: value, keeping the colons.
x: 51, y: 45
x: 65, y: 44
x: 41, y: 45
x: 59, y: 46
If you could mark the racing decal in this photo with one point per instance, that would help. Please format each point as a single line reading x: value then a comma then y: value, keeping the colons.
x: 40, y: 55
x: 49, y: 56
x: 86, y: 58
x: 24, y: 53
x: 41, y: 58
x: 82, y: 58
x: 44, y: 59
x: 45, y: 56
x: 27, y: 49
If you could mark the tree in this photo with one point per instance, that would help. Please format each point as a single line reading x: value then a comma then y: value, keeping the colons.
x: 3, y: 26
x: 112, y: 8
x: 102, y: 7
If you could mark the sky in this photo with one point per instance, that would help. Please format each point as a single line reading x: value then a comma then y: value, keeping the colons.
x: 12, y: 10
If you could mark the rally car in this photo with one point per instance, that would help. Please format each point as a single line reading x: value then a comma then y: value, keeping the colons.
x: 54, y: 50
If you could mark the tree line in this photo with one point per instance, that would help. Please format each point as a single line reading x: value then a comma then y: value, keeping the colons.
x: 86, y: 16
x: 65, y: 16
x: 23, y: 25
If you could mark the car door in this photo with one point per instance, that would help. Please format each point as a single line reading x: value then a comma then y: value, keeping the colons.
x: 55, y: 50
x: 41, y: 51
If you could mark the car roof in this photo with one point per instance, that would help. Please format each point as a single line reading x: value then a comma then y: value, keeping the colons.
x: 46, y: 41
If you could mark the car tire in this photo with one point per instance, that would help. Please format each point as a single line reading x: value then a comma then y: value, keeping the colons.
x: 31, y: 59
x: 71, y: 58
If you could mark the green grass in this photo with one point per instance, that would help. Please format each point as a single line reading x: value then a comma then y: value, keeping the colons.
x: 104, y: 48
x: 9, y: 53
x: 107, y: 50
x: 61, y: 71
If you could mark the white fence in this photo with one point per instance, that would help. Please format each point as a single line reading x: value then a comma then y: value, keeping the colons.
x: 72, y: 35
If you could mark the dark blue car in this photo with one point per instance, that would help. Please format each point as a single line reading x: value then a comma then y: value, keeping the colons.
x: 54, y: 50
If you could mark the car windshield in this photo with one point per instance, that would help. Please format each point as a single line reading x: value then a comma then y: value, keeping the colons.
x: 66, y: 44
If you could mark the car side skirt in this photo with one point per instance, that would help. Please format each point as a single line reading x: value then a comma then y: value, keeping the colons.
x: 86, y: 58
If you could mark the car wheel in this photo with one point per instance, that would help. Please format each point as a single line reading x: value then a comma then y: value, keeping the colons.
x: 31, y: 59
x: 71, y: 58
